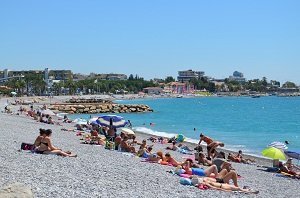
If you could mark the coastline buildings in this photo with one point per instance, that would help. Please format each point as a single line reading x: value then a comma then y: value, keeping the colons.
x: 187, y: 75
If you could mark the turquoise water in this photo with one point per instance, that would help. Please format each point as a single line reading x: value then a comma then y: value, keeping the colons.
x: 240, y: 122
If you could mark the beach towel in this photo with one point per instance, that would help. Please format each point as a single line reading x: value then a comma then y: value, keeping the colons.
x: 27, y: 146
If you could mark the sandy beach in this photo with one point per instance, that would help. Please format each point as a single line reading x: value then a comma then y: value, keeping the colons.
x: 98, y: 172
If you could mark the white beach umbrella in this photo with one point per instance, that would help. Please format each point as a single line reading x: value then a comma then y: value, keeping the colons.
x: 278, y: 145
x: 127, y: 131
x: 48, y: 112
x: 81, y: 122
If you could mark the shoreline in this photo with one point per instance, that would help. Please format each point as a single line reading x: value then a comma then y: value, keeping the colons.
x: 260, y: 160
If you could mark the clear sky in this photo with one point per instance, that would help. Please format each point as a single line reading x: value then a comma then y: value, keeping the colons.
x: 154, y: 38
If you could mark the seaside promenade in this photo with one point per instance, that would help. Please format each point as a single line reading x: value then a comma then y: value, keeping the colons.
x: 98, y: 172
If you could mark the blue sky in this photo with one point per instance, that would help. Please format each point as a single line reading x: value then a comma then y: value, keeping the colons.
x: 153, y: 38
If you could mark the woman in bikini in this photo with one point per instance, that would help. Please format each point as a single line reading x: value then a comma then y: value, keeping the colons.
x: 213, y: 184
x: 46, y: 146
x: 37, y: 141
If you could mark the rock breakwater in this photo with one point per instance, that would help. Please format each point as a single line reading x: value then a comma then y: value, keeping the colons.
x: 100, y: 108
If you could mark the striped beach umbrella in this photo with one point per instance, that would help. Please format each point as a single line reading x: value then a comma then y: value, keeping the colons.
x: 112, y: 120
x: 278, y: 145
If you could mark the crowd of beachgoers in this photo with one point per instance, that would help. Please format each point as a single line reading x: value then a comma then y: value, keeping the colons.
x: 109, y: 152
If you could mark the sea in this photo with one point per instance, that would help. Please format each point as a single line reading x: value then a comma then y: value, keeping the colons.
x: 242, y: 123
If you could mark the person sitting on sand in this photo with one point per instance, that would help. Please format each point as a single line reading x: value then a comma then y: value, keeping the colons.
x: 203, y: 160
x: 214, y: 184
x: 111, y: 134
x: 124, y: 146
x: 144, y: 145
x: 39, y: 138
x: 221, y: 163
x: 118, y: 140
x: 46, y: 146
x: 213, y: 147
x: 207, y: 140
x: 144, y: 152
x: 240, y: 159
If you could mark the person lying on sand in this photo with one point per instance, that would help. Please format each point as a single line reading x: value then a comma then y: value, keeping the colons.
x: 125, y: 147
x: 287, y: 168
x: 223, y: 177
x: 213, y: 184
x: 239, y: 158
x: 46, y: 146
x: 171, y: 160
x: 179, y: 147
x: 157, y: 157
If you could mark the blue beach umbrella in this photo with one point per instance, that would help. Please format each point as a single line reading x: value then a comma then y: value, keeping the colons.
x: 293, y: 154
x: 112, y: 120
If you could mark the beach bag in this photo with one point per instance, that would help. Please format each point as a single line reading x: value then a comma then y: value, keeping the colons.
x: 27, y: 146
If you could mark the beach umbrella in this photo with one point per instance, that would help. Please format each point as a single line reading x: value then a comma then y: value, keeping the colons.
x: 273, y: 153
x: 81, y: 122
x: 48, y: 112
x: 180, y: 138
x: 112, y: 120
x: 278, y: 145
x: 293, y: 154
x: 127, y: 131
x: 93, y: 120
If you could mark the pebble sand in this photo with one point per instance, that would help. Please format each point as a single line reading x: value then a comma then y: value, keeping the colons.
x: 98, y: 172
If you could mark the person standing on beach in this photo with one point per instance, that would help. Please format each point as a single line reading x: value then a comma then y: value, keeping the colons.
x: 208, y: 141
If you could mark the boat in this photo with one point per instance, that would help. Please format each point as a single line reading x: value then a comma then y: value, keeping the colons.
x: 256, y: 96
x: 179, y: 96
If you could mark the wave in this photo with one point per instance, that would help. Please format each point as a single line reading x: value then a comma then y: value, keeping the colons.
x: 234, y: 148
x: 153, y: 132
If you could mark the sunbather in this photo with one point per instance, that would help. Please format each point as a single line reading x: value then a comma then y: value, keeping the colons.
x: 46, y: 146
x: 39, y: 138
x: 203, y: 160
x: 213, y: 184
x: 125, y: 147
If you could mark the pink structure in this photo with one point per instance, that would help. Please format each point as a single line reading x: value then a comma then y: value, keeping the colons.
x: 180, y: 88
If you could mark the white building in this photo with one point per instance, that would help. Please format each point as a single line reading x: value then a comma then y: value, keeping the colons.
x: 185, y: 76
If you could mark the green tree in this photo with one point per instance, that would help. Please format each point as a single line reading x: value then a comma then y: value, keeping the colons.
x: 169, y: 79
x: 289, y: 84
